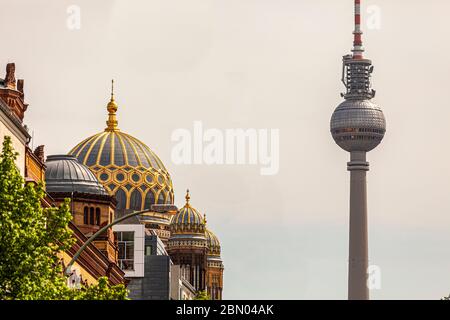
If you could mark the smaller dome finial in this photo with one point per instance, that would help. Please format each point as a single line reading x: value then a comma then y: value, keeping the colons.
x: 187, y: 197
x: 204, y: 218
x: 112, y: 109
x: 112, y: 89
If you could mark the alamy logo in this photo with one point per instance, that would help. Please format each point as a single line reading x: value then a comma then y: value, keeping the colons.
x: 374, y: 277
x: 73, y: 21
x: 374, y: 18
x: 227, y: 147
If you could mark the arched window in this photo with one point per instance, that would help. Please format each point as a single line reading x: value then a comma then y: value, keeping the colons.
x: 91, y: 220
x: 121, y: 198
x: 86, y: 215
x: 161, y: 198
x: 149, y: 199
x: 136, y: 200
x: 97, y: 216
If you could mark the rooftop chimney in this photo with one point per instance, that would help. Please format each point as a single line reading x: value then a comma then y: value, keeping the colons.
x: 20, y: 83
x: 39, y: 152
x: 10, y: 79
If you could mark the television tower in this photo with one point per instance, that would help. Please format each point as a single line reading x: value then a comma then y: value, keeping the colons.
x: 358, y: 126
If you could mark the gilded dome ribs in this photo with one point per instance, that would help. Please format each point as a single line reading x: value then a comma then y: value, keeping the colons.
x: 134, y: 154
x: 122, y: 162
x: 89, y: 152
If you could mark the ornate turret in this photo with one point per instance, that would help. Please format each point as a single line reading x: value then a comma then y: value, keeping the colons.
x: 215, y: 269
x: 187, y: 244
x: 188, y: 220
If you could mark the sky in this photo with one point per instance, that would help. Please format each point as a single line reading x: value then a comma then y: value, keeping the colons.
x: 261, y: 64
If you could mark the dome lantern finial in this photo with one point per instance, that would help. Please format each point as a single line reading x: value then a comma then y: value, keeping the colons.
x: 187, y: 197
x: 112, y: 109
x: 112, y: 89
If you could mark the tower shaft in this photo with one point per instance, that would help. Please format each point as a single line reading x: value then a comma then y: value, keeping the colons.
x: 358, y: 247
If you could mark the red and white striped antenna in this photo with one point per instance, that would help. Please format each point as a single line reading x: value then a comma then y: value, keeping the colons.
x: 358, y: 48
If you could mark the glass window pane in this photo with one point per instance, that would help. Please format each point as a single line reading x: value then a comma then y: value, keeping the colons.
x: 128, y: 236
x: 121, y: 246
x: 129, y: 250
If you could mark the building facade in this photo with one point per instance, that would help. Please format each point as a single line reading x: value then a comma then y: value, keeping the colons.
x: 91, y: 206
x: 132, y: 173
x: 92, y: 263
x: 12, y: 111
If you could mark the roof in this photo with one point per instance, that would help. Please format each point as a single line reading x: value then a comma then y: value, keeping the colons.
x: 14, y: 119
x: 65, y: 174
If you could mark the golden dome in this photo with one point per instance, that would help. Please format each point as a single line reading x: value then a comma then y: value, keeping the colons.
x: 188, y: 220
x: 213, y: 243
x: 125, y: 166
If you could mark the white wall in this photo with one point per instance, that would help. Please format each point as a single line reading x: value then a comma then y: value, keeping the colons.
x: 139, y: 244
x: 18, y: 141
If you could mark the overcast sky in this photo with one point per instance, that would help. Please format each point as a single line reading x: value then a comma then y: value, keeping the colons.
x: 261, y: 64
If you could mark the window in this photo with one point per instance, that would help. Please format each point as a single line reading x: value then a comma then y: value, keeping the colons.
x: 136, y: 200
x: 86, y: 215
x: 97, y: 216
x: 148, y: 250
x: 161, y: 198
x: 149, y: 199
x: 91, y: 220
x: 125, y: 243
x: 121, y: 199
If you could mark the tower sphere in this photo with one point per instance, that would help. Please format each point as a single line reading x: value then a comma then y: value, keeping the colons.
x: 358, y: 125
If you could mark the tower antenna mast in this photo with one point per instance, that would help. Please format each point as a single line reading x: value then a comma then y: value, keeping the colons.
x: 358, y: 48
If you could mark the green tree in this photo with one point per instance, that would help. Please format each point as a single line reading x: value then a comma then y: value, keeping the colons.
x: 102, y: 291
x: 31, y: 238
x: 202, y: 295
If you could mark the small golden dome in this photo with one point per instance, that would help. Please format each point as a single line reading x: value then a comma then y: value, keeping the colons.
x: 213, y: 243
x: 188, y: 220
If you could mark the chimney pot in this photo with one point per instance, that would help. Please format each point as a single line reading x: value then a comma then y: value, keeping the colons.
x: 10, y: 79
x: 39, y: 152
x: 20, y: 84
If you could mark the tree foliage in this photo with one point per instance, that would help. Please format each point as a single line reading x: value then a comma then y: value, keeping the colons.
x: 31, y: 238
x: 102, y: 291
x: 202, y: 295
